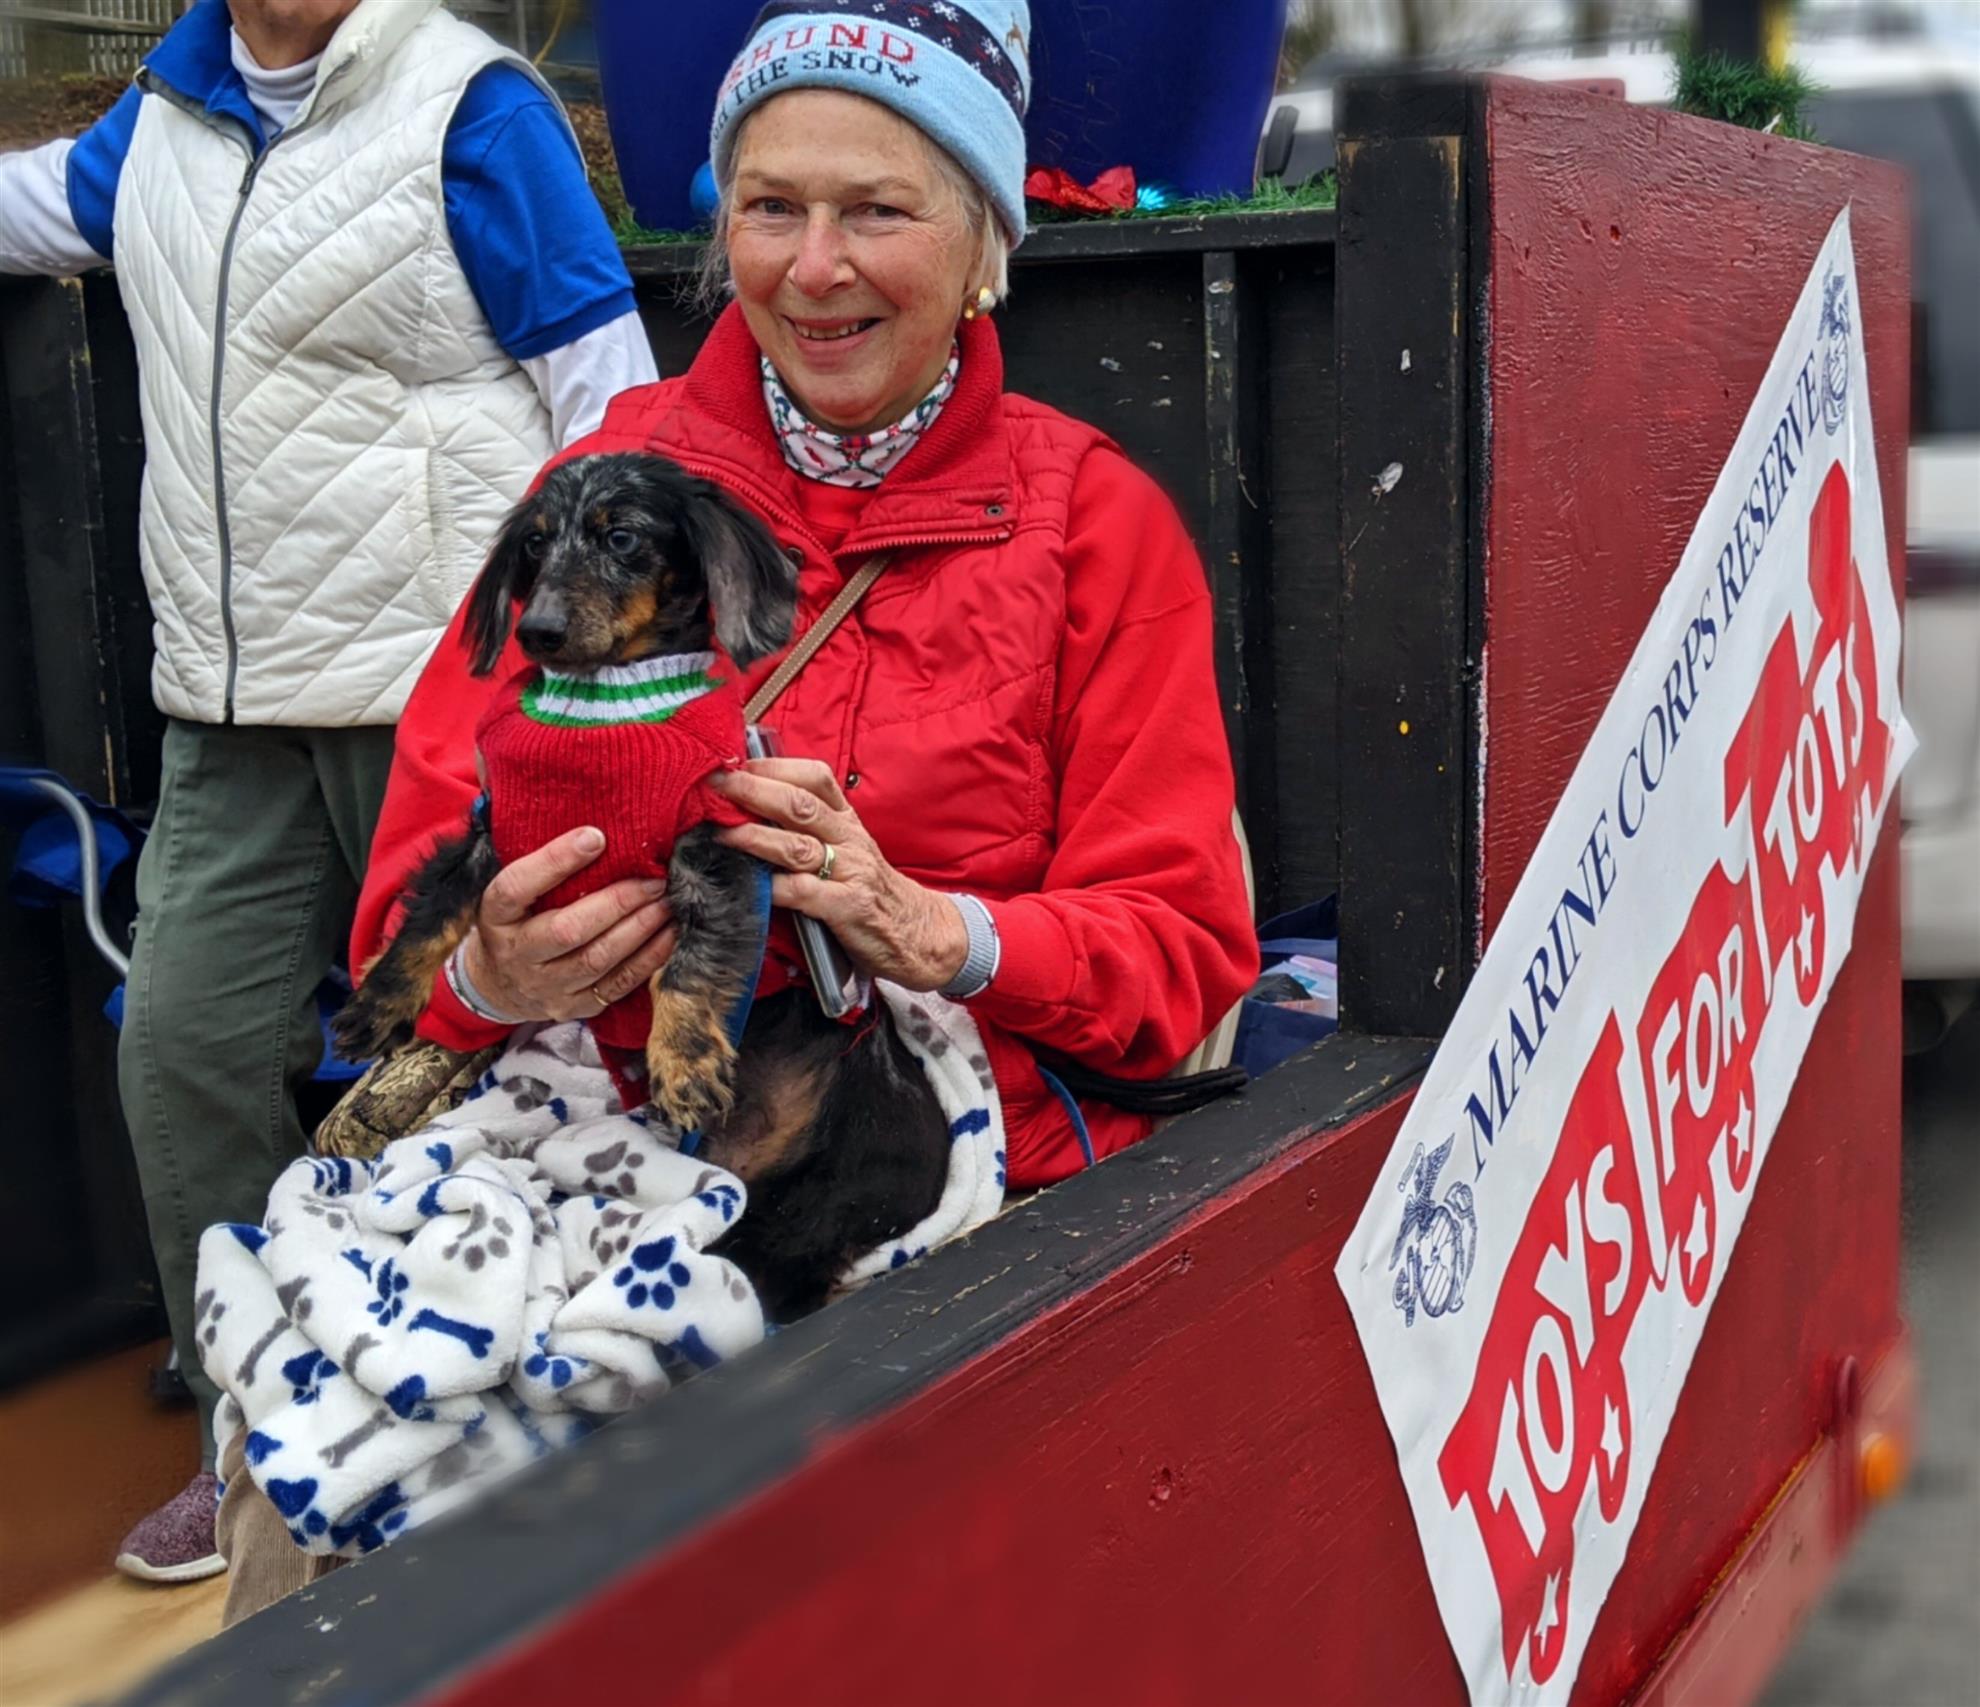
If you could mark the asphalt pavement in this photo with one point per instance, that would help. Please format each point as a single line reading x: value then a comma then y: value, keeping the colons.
x: 1901, y: 1624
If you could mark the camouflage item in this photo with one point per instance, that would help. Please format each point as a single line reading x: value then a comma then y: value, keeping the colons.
x: 398, y: 1095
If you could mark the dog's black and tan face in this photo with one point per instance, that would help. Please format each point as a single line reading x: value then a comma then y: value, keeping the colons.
x: 622, y: 557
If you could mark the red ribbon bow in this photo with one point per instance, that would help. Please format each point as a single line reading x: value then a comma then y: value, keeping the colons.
x: 1112, y: 192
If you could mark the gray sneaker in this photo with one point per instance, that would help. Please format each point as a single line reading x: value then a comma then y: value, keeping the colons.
x: 175, y: 1543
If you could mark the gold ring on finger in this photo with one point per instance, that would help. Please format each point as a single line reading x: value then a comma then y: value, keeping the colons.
x: 599, y: 996
x: 826, y: 864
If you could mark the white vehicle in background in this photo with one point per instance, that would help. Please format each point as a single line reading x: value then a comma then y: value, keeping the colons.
x: 1917, y: 103
x: 1941, y: 797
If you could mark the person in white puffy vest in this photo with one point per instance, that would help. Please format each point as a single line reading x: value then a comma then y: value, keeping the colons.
x: 371, y: 293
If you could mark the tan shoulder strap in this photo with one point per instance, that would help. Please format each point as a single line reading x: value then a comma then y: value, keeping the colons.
x: 815, y: 636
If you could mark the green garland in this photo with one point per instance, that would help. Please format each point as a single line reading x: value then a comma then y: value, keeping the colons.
x: 1271, y: 196
x: 1320, y: 191
x: 1738, y: 92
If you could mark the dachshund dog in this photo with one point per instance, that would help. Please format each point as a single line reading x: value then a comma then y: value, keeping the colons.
x: 613, y: 561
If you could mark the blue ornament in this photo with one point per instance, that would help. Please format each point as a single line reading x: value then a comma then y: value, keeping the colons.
x: 1151, y: 198
x: 702, y: 194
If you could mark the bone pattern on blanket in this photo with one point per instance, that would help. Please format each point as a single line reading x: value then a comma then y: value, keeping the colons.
x: 398, y: 1333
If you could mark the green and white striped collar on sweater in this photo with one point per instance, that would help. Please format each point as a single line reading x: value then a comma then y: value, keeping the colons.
x: 650, y: 691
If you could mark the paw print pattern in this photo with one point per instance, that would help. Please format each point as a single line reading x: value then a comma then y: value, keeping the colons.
x: 305, y: 1373
x: 391, y: 1285
x: 526, y: 1092
x: 530, y: 1093
x: 335, y: 1219
x: 542, y: 1223
x: 921, y: 1026
x: 484, y: 1236
x: 612, y: 1233
x: 665, y: 1276
x: 600, y: 1163
x: 725, y: 1199
x: 545, y: 1366
x: 332, y: 1174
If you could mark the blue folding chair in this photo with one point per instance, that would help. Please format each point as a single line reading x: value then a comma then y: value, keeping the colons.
x: 71, y: 847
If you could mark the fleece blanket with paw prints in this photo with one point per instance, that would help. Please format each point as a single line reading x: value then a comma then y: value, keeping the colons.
x: 397, y: 1333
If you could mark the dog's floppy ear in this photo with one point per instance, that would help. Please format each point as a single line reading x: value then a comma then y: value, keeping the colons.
x: 504, y: 580
x: 752, y: 585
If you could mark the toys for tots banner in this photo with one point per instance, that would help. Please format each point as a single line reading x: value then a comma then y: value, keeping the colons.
x: 1533, y: 1271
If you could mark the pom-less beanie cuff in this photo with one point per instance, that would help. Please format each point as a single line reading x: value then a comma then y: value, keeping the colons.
x: 957, y: 70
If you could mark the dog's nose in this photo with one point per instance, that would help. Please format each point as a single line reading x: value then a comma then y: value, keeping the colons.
x: 541, y: 632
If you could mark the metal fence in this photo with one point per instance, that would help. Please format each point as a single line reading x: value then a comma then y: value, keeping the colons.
x: 56, y: 38
x: 41, y: 38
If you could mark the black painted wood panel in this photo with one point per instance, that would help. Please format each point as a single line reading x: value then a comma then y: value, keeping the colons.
x: 1411, y: 457
x: 1205, y: 349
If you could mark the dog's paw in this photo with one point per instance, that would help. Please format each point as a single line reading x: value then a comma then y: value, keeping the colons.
x: 365, y: 1030
x: 690, y: 1062
x: 385, y: 1007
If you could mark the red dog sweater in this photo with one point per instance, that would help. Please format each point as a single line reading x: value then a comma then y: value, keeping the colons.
x: 629, y: 748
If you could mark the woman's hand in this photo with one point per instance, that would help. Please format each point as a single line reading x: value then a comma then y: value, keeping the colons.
x: 890, y: 925
x: 571, y: 962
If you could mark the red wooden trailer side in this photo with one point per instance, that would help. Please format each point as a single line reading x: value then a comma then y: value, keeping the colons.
x: 1642, y: 267
x: 1122, y: 1446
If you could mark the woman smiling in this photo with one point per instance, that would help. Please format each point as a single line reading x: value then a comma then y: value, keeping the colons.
x: 1009, y: 781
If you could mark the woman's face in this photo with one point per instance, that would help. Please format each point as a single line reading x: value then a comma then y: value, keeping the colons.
x: 851, y: 255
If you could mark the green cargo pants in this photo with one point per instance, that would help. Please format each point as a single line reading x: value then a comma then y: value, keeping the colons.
x: 245, y: 893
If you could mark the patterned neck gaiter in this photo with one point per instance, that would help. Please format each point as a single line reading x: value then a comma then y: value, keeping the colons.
x: 850, y: 459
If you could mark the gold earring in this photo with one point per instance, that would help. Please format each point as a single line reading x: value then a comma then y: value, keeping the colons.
x: 986, y: 299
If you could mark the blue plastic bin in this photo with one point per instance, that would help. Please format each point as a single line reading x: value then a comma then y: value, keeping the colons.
x: 1174, y: 88
x: 660, y: 66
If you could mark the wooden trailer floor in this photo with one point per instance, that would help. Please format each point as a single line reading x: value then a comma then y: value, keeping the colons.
x: 82, y: 1457
x: 96, y: 1641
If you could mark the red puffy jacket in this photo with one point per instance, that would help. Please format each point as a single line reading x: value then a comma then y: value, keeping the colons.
x: 1024, y: 707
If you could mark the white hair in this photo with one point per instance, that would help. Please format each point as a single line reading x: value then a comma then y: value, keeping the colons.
x: 713, y: 286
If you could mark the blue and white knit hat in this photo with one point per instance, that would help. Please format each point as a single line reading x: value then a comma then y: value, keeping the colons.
x: 957, y: 70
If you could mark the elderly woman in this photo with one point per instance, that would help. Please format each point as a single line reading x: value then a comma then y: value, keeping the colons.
x: 1008, y: 778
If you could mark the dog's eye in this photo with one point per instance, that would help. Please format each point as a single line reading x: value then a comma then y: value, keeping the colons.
x: 622, y: 542
x: 533, y: 546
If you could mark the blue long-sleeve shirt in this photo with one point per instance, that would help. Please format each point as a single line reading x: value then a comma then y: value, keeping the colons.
x: 530, y: 237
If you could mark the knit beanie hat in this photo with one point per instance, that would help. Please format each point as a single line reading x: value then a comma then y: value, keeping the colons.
x: 957, y: 70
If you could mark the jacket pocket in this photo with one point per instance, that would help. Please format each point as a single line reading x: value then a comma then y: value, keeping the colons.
x: 963, y: 792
